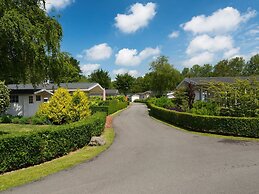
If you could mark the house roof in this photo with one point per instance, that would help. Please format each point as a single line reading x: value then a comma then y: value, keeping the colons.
x: 111, y: 92
x: 73, y: 86
x: 205, y: 80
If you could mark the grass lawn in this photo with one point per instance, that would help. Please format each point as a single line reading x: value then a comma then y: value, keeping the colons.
x: 26, y: 175
x: 15, y: 128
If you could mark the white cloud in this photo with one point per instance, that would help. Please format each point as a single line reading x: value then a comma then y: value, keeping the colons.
x: 57, y: 4
x: 138, y: 17
x: 133, y: 73
x: 131, y: 57
x: 200, y: 59
x: 231, y: 53
x: 254, y: 31
x: 221, y: 21
x: 207, y: 43
x: 98, y: 52
x: 174, y: 34
x: 87, y: 69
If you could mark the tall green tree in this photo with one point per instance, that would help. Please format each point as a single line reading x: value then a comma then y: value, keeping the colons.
x: 30, y: 40
x: 252, y: 66
x: 138, y: 85
x: 164, y: 76
x: 221, y: 69
x: 66, y: 69
x: 102, y: 77
x: 4, y: 97
x: 230, y: 68
x: 124, y: 83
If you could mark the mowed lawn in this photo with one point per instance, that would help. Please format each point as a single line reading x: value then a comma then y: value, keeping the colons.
x: 16, y: 128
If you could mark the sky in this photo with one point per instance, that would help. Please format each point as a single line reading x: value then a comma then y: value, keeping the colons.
x: 122, y: 36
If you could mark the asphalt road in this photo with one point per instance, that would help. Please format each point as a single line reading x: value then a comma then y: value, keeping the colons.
x: 150, y: 157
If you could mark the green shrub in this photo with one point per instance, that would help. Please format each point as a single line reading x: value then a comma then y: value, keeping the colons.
x: 141, y: 101
x: 4, y: 97
x: 110, y: 107
x: 31, y: 148
x: 164, y: 102
x: 235, y: 126
x: 39, y: 120
x: 15, y: 120
x: 205, y: 108
x: 79, y: 106
x: 6, y: 119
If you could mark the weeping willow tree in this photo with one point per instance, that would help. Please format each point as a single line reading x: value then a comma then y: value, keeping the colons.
x: 29, y: 42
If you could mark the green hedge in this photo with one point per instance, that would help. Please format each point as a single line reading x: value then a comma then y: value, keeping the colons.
x: 234, y: 126
x: 111, y: 107
x: 31, y: 148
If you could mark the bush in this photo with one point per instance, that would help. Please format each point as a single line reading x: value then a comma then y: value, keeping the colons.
x: 141, y: 101
x: 235, y: 126
x: 6, y: 119
x: 110, y: 107
x: 205, y: 108
x: 164, y: 102
x: 63, y: 108
x: 79, y: 106
x: 31, y: 148
x: 39, y: 120
x: 4, y: 97
x: 15, y: 120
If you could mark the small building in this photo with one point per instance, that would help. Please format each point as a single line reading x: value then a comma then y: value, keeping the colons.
x: 201, y: 83
x: 140, y: 96
x: 25, y: 99
x: 112, y: 92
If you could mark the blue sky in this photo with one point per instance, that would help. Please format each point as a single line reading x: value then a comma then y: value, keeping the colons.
x: 125, y: 35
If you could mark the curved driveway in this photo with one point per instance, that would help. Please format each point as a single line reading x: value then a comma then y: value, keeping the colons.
x: 150, y: 157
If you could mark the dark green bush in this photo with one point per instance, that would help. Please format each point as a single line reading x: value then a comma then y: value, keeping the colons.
x: 15, y: 120
x: 27, y: 149
x: 205, y: 108
x: 109, y: 107
x: 235, y: 126
x: 164, y: 102
x: 39, y: 120
x: 141, y: 101
x: 6, y: 119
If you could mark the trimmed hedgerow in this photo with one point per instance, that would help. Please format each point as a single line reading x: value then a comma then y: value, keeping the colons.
x: 31, y: 148
x: 110, y: 107
x: 234, y: 126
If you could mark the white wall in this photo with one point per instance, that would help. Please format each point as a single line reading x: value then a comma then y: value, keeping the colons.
x: 24, y: 108
x: 134, y: 97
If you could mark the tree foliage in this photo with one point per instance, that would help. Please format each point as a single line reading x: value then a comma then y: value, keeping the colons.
x: 4, y: 97
x: 252, y: 67
x: 124, y: 83
x: 236, y: 99
x: 30, y: 44
x: 234, y: 67
x: 101, y: 77
x: 164, y: 76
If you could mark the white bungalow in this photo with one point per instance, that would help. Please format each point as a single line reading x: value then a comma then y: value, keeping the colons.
x: 25, y: 99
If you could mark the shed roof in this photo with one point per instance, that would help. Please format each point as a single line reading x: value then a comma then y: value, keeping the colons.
x: 82, y: 85
x: 205, y: 80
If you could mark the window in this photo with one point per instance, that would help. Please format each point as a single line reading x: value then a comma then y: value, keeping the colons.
x: 45, y: 99
x: 38, y: 98
x: 14, y: 99
x: 30, y: 99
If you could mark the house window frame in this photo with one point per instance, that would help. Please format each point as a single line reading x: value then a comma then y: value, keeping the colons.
x: 38, y: 98
x: 14, y: 99
x: 30, y: 99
